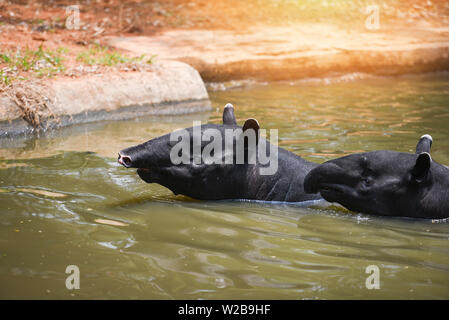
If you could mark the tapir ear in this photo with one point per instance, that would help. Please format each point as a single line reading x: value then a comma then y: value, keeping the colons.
x: 424, y: 144
x: 252, y: 124
x: 228, y: 115
x: 422, y: 166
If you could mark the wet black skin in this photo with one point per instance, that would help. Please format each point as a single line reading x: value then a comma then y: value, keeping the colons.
x: 220, y: 181
x: 385, y: 183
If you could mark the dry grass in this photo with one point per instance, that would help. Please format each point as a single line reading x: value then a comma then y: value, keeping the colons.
x: 34, y: 100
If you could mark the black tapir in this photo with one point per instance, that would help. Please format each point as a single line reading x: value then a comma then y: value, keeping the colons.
x: 385, y: 183
x: 226, y: 178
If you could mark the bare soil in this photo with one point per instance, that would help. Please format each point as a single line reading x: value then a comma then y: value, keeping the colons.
x: 34, y: 23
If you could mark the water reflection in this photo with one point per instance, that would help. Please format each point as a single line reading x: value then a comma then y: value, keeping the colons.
x: 64, y: 200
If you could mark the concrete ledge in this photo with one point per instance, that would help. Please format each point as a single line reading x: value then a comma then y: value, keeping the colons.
x: 169, y: 87
x: 381, y: 63
x: 300, y: 51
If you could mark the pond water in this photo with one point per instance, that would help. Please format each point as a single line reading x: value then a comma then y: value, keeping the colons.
x: 64, y: 200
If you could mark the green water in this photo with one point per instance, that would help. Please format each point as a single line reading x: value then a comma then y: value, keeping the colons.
x: 65, y: 201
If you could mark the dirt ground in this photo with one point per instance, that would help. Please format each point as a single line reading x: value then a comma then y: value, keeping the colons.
x: 41, y: 27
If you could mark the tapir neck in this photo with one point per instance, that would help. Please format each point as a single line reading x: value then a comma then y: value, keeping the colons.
x: 286, y: 184
x: 435, y: 201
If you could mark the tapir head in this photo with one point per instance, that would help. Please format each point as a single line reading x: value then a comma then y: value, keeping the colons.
x: 378, y: 182
x: 172, y: 160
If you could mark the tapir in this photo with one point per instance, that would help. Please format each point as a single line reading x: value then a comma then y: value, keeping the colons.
x: 385, y: 183
x: 226, y: 178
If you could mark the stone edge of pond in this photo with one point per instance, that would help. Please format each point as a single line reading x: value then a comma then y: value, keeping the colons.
x: 166, y: 88
x: 220, y: 60
x: 377, y: 63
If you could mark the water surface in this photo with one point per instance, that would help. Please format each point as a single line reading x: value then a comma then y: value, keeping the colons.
x: 65, y: 201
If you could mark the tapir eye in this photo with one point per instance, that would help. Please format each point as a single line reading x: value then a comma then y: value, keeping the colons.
x: 367, y: 181
x: 364, y: 186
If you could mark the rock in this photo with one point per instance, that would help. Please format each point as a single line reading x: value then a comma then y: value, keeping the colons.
x: 299, y: 51
x: 168, y: 87
x: 39, y: 37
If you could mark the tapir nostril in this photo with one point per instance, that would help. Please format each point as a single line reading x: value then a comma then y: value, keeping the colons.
x: 124, y: 160
x: 127, y: 161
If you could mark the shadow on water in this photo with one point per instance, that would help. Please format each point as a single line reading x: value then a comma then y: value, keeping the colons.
x: 64, y: 200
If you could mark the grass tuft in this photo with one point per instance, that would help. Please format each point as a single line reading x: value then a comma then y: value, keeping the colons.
x: 44, y: 63
x: 39, y: 62
x: 103, y: 55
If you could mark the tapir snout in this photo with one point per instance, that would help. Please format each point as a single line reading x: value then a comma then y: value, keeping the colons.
x: 141, y: 156
x: 333, y: 175
x: 124, y: 160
